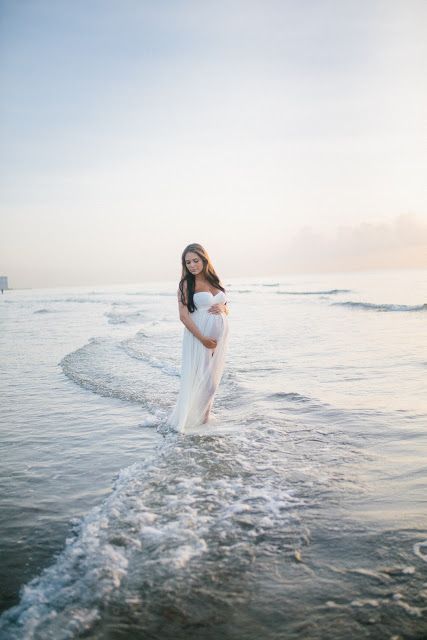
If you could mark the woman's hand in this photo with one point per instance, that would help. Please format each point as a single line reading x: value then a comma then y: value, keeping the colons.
x: 219, y: 307
x: 209, y: 343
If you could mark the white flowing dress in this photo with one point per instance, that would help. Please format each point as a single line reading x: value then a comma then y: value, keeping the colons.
x: 201, y: 368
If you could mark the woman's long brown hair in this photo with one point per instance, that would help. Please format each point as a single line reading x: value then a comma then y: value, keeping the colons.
x: 208, y: 271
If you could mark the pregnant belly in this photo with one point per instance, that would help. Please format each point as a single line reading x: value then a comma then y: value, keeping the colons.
x: 211, y: 324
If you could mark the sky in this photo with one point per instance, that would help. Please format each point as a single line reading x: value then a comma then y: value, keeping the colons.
x: 285, y: 136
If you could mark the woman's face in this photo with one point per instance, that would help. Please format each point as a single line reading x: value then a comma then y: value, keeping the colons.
x: 194, y: 263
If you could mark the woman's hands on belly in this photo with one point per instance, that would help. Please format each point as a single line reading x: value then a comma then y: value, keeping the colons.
x: 209, y: 343
x: 218, y: 307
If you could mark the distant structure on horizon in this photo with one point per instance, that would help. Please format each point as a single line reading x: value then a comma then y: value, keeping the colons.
x: 3, y: 283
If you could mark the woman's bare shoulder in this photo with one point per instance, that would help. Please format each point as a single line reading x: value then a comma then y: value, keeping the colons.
x: 184, y: 286
x: 184, y: 289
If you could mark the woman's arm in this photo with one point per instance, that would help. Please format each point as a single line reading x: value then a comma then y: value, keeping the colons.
x: 191, y: 326
x: 184, y: 316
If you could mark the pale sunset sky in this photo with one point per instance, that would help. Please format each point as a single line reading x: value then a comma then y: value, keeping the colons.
x: 284, y: 136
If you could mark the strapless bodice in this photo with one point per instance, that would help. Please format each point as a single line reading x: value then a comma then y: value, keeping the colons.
x: 206, y: 299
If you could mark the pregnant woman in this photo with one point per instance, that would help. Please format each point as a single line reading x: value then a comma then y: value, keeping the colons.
x: 202, y: 309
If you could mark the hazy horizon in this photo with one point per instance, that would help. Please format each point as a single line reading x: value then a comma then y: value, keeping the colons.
x: 225, y: 278
x: 283, y: 137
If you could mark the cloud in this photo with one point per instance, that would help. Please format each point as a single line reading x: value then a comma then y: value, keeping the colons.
x: 399, y: 243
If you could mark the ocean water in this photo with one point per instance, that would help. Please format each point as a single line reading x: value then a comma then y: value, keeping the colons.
x: 302, y: 513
